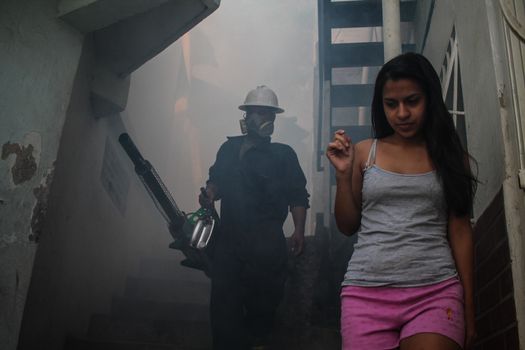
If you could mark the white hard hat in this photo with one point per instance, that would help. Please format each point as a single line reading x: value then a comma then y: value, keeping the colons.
x: 261, y: 96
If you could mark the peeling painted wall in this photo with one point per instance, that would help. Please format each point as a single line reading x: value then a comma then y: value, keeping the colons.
x: 34, y: 97
x: 83, y: 239
x: 88, y: 243
x: 24, y: 167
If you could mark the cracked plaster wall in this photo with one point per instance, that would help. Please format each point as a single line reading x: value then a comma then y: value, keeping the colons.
x: 88, y: 246
x: 39, y: 57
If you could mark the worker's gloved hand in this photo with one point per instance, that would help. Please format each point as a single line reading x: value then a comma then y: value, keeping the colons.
x: 175, y: 231
x: 207, y: 196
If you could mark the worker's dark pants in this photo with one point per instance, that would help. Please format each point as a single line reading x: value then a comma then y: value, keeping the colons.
x: 247, y: 285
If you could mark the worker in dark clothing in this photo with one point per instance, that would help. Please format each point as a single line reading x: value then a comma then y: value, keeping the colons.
x: 258, y: 182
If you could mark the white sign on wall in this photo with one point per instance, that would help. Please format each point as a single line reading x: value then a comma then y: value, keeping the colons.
x: 114, y: 177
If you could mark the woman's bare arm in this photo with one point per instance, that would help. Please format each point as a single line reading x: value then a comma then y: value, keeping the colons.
x: 461, y: 243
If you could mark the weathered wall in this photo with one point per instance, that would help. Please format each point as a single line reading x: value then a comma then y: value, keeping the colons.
x: 100, y: 224
x: 482, y: 114
x: 39, y: 57
x: 481, y: 99
x: 81, y: 240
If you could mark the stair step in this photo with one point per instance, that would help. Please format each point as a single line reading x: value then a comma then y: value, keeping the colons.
x: 170, y: 290
x: 195, y: 334
x: 364, y: 13
x: 356, y: 54
x: 309, y: 338
x: 360, y: 54
x: 133, y: 308
x: 88, y: 344
x: 354, y: 95
x: 169, y: 269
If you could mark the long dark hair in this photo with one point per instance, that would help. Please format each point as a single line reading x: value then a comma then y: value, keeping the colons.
x: 443, y: 143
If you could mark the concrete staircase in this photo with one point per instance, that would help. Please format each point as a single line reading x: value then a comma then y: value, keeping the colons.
x: 156, y: 311
x: 159, y: 312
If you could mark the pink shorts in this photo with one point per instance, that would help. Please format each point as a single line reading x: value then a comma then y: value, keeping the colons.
x: 380, y: 317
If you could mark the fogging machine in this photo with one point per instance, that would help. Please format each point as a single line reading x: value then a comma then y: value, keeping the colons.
x: 192, y: 232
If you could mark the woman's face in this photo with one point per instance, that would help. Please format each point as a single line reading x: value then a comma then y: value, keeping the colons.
x: 404, y: 103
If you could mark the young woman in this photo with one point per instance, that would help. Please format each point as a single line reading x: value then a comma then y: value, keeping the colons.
x: 408, y: 194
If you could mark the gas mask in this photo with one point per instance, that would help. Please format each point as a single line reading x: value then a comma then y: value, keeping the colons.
x: 258, y: 124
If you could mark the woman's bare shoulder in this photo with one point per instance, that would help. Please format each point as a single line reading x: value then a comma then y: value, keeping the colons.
x: 362, y: 148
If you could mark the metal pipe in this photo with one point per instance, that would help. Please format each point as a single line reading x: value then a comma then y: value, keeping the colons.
x: 320, y: 65
x: 391, y: 29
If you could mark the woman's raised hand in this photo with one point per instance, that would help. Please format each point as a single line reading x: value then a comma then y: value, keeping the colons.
x: 340, y: 152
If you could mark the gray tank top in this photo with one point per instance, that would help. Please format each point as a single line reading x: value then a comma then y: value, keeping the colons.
x: 402, y: 240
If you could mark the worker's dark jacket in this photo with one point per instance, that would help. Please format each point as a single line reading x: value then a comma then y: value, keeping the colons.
x: 250, y: 254
x: 260, y: 187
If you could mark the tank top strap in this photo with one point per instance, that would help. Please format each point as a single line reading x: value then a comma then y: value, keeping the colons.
x: 371, y: 155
